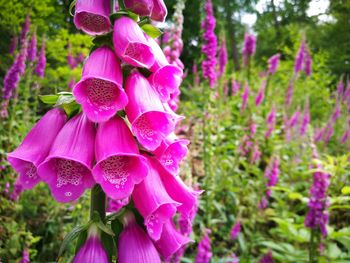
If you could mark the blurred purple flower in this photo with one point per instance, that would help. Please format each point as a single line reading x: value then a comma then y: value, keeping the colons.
x: 40, y: 67
x: 299, y: 59
x: 25, y: 30
x: 245, y: 96
x: 317, y: 216
x: 267, y: 258
x: 25, y: 256
x: 32, y: 48
x: 249, y: 47
x: 273, y: 63
x: 13, y: 45
x: 210, y: 44
x: 236, y: 229
x: 222, y: 58
x: 204, y: 252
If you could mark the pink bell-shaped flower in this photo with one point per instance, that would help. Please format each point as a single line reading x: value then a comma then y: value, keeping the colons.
x: 151, y: 124
x: 100, y: 89
x: 153, y: 202
x: 130, y: 43
x: 140, y: 7
x: 134, y: 245
x: 35, y: 147
x: 67, y: 167
x: 92, y: 250
x: 171, y: 152
x: 178, y: 191
x: 159, y: 11
x: 166, y: 78
x: 92, y: 16
x: 119, y: 166
x: 170, y: 241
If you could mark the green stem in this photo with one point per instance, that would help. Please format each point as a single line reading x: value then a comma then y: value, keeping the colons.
x: 98, y: 202
x: 312, y: 247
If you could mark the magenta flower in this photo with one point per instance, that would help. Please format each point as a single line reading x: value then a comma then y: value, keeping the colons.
x: 344, y: 138
x: 166, y: 78
x: 67, y: 168
x: 336, y: 113
x: 114, y: 206
x: 271, y: 122
x: 267, y: 258
x: 25, y: 256
x: 209, y: 46
x: 41, y: 65
x: 245, y: 97
x: 13, y: 45
x: 13, y: 75
x: 143, y: 109
x: 249, y: 47
x: 119, y: 166
x: 235, y: 86
x: 135, y: 244
x: 222, y: 58
x: 300, y: 57
x: 171, y: 241
x: 25, y: 30
x: 263, y: 203
x: 261, y: 93
x: 171, y: 152
x: 204, y: 253
x: 92, y: 16
x: 235, y: 259
x: 178, y: 191
x: 273, y: 63
x: 272, y: 173
x: 317, y: 216
x: 159, y: 11
x: 92, y: 250
x: 32, y: 48
x: 17, y: 190
x: 307, y: 63
x: 140, y: 7
x: 70, y: 58
x: 289, y: 94
x: 305, y: 120
x: 130, y: 43
x: 100, y: 91
x: 156, y: 207
x: 235, y: 230
x: 294, y: 119
x: 35, y: 147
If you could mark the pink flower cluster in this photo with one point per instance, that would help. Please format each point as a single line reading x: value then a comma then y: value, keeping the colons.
x: 136, y: 156
x: 209, y: 46
x: 318, y: 216
x: 271, y: 174
x: 172, y: 39
x: 249, y: 47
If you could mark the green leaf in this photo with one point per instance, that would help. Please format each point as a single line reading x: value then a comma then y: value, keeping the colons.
x: 109, y: 245
x: 151, y: 30
x: 104, y: 228
x: 117, y: 228
x: 70, y: 237
x: 345, y: 190
x: 71, y: 6
x: 48, y: 99
x: 64, y: 99
x: 121, y: 13
x: 81, y: 240
x: 71, y: 108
